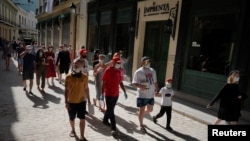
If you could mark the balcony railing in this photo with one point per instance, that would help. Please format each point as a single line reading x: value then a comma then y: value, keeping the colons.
x: 58, y: 2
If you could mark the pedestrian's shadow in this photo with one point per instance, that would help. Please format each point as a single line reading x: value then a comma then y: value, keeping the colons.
x: 124, y: 137
x: 96, y: 125
x: 52, y: 98
x: 130, y: 126
x: 160, y: 138
x: 56, y: 89
x: 38, y: 102
x: 131, y: 110
x: 181, y: 135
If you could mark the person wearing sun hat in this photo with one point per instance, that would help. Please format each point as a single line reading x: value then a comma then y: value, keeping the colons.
x: 145, y: 81
x: 166, y: 93
x: 112, y: 79
x: 76, y: 87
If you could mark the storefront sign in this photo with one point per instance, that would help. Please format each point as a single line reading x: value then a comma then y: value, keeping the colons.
x: 156, y: 9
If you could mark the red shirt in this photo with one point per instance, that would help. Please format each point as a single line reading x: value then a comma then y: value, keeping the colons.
x: 112, y: 78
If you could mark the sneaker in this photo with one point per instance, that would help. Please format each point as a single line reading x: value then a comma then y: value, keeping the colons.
x: 143, y: 130
x: 106, y: 123
x: 114, y: 133
x: 24, y: 88
x: 169, y: 128
x: 72, y: 134
x: 154, y: 119
x: 31, y: 93
x: 84, y: 139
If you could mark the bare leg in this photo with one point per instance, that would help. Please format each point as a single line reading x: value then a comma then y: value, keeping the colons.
x: 217, y: 121
x: 31, y: 84
x: 233, y: 123
x: 149, y: 109
x: 73, y: 131
x: 52, y: 81
x: 47, y: 80
x: 72, y: 124
x: 60, y: 77
x: 141, y: 115
x: 24, y: 85
x: 82, y: 128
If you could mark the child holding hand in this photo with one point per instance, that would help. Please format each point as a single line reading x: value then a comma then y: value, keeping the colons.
x: 167, y: 94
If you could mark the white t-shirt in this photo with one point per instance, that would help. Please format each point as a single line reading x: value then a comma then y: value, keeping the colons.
x: 166, y: 95
x: 145, y: 77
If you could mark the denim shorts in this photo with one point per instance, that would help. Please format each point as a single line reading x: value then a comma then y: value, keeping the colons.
x: 144, y: 101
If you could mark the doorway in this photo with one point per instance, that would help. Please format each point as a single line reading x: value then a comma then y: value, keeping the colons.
x: 156, y: 46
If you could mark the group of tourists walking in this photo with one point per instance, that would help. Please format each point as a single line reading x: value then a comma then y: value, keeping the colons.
x: 108, y: 79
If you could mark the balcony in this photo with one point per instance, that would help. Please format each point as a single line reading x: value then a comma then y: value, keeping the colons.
x: 58, y: 2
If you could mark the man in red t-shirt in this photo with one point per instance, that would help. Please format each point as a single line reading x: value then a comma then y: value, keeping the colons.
x: 112, y: 78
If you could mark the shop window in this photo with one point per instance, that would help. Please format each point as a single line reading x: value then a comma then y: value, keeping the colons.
x: 104, y: 38
x: 212, y: 44
x: 91, y: 38
x: 122, y: 38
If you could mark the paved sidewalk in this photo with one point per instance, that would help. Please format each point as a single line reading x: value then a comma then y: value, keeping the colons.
x: 25, y: 117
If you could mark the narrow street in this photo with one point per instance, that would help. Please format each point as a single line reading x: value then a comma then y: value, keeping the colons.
x: 38, y: 117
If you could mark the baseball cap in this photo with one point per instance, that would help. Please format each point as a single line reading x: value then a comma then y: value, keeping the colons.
x: 169, y: 80
x: 102, y: 55
x: 116, y: 60
x: 83, y: 51
x: 144, y: 58
x: 28, y: 47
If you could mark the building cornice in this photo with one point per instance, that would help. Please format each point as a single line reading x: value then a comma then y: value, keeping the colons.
x: 12, y: 5
x: 62, y: 8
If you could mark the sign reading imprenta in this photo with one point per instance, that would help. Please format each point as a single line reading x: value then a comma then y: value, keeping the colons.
x: 156, y: 9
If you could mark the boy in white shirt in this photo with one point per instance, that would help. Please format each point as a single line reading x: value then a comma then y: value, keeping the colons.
x: 167, y: 94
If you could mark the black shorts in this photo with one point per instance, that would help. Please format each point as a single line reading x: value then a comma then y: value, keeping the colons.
x: 64, y: 69
x: 77, y: 109
x: 28, y: 74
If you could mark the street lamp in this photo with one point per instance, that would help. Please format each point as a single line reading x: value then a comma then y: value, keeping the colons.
x: 73, y: 8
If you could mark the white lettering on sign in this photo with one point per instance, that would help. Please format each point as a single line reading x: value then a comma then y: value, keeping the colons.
x: 156, y: 9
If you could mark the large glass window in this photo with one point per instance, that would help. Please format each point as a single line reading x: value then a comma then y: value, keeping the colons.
x: 91, y: 37
x: 122, y: 38
x: 212, y: 44
x: 104, y: 38
x: 105, y: 22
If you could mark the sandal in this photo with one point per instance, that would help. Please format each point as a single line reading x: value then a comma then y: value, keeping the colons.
x: 84, y: 139
x: 143, y: 130
x: 72, y: 134
x: 102, y: 110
